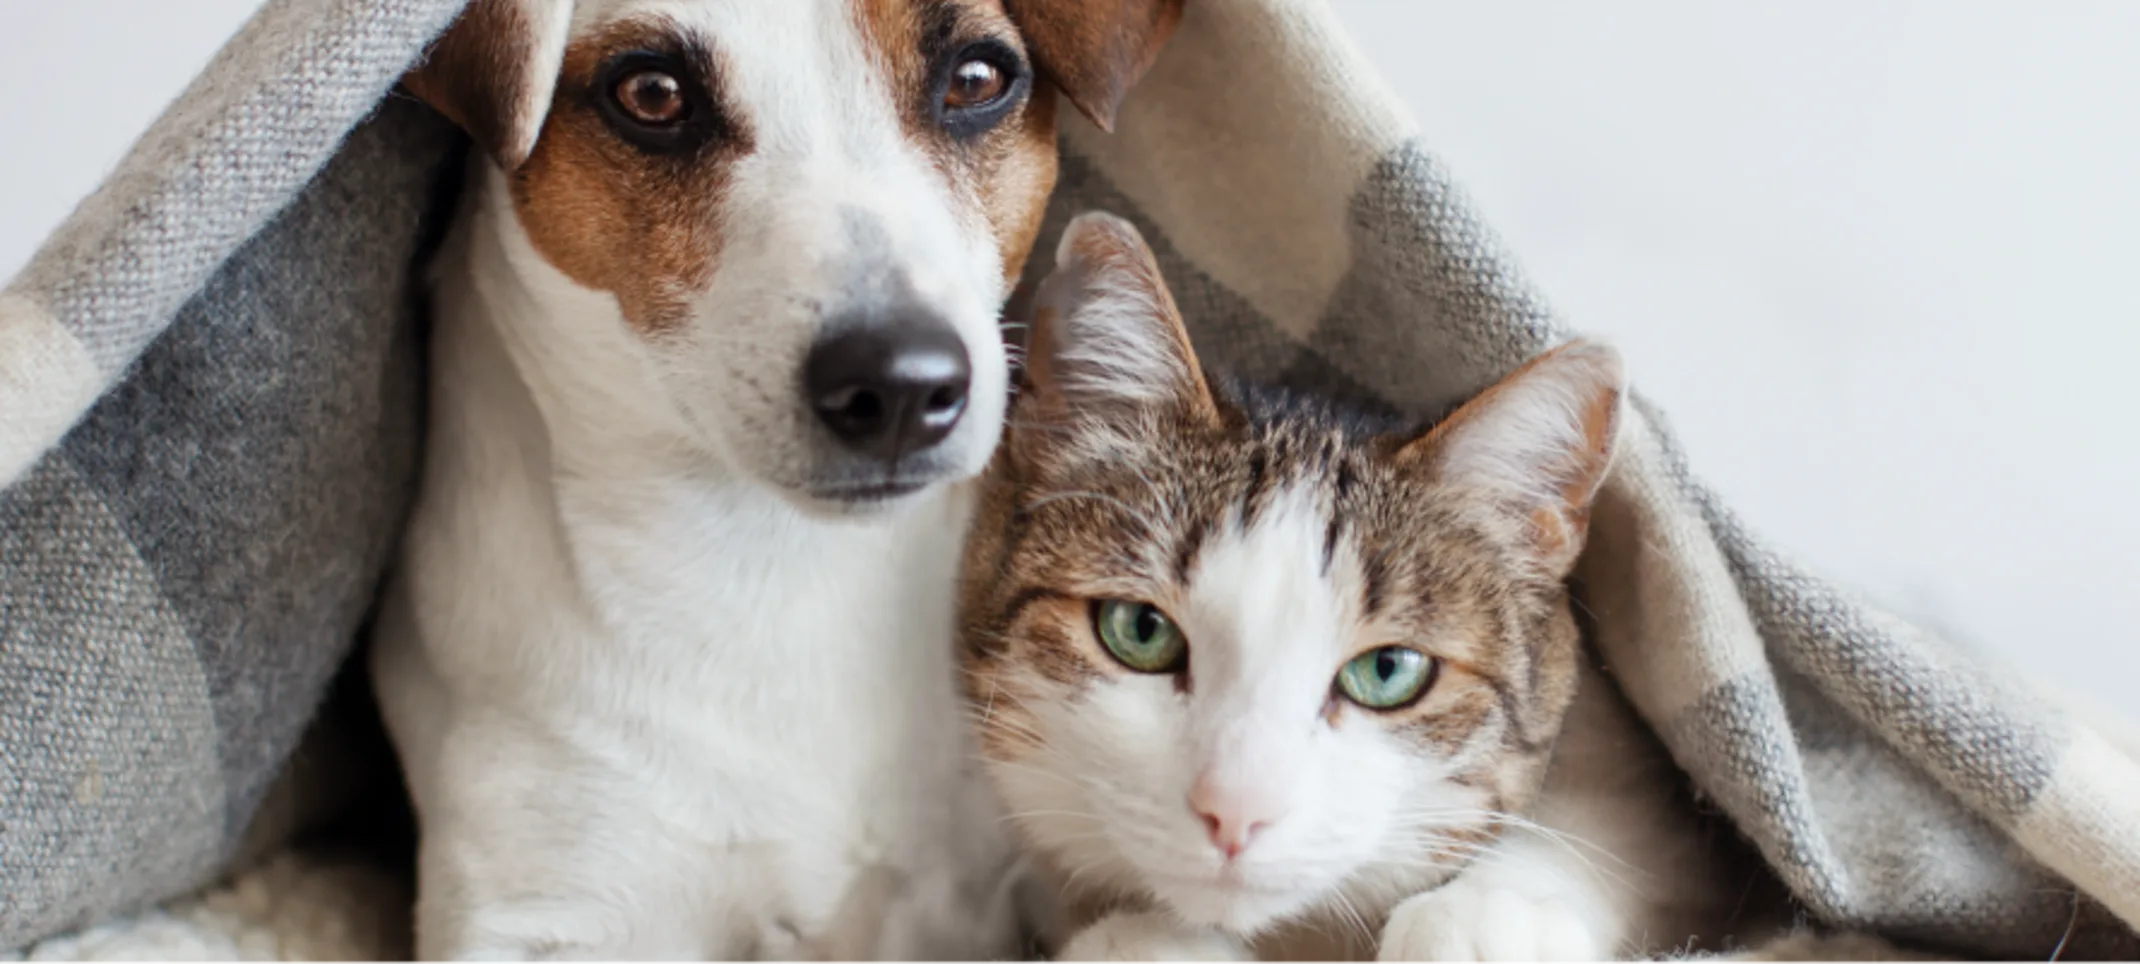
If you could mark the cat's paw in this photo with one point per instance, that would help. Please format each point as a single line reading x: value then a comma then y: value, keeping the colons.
x: 1150, y: 937
x: 1466, y: 921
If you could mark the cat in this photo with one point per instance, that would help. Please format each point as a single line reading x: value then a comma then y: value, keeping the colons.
x: 1257, y: 674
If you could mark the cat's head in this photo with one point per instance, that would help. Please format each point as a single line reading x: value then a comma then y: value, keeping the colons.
x: 1242, y: 655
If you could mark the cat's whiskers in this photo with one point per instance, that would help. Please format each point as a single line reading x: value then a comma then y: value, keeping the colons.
x: 1576, y: 846
x: 1030, y: 814
x: 1448, y: 817
x: 1098, y: 836
x: 987, y: 717
x: 1067, y: 775
x: 1485, y: 854
x: 1105, y: 869
x: 1440, y: 855
x: 1440, y: 837
x: 1441, y: 862
x: 988, y: 713
x: 1349, y: 913
x: 1441, y: 848
x: 1057, y: 778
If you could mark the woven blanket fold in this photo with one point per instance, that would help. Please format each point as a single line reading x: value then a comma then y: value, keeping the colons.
x: 208, y: 397
x: 209, y: 419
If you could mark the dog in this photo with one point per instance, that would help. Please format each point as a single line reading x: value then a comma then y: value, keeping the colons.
x: 667, y: 659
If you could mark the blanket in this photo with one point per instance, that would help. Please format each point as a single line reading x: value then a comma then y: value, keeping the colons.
x: 325, y: 906
x: 210, y: 400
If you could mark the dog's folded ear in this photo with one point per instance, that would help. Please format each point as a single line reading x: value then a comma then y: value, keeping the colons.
x: 1095, y: 50
x: 494, y: 70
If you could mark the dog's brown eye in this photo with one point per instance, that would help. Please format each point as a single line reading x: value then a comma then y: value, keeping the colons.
x: 651, y: 97
x: 975, y: 83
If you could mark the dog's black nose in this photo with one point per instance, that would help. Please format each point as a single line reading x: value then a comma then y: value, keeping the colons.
x: 888, y: 390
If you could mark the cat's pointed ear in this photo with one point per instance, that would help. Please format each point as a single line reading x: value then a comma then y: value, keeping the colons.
x: 1107, y: 341
x: 1540, y: 441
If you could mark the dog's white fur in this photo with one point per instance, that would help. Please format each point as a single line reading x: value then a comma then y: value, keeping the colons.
x: 653, y: 700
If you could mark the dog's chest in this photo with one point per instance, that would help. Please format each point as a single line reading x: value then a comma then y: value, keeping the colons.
x: 786, y: 674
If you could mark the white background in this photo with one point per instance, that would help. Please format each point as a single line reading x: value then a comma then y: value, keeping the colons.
x: 1880, y: 260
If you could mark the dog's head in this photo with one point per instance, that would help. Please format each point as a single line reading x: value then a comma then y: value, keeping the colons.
x: 809, y: 212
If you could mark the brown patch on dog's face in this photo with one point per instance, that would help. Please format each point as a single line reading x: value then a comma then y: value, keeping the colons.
x: 638, y: 213
x: 621, y: 206
x: 1016, y: 198
x: 998, y: 158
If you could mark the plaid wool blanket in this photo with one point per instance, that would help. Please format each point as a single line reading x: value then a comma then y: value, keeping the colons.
x: 210, y: 415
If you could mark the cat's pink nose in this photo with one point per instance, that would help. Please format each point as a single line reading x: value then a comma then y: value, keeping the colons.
x: 1231, y: 819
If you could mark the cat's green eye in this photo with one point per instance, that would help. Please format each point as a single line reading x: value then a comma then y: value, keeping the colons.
x: 1386, y: 678
x: 1139, y: 635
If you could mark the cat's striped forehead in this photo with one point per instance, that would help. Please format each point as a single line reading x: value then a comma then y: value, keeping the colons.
x: 1285, y: 539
